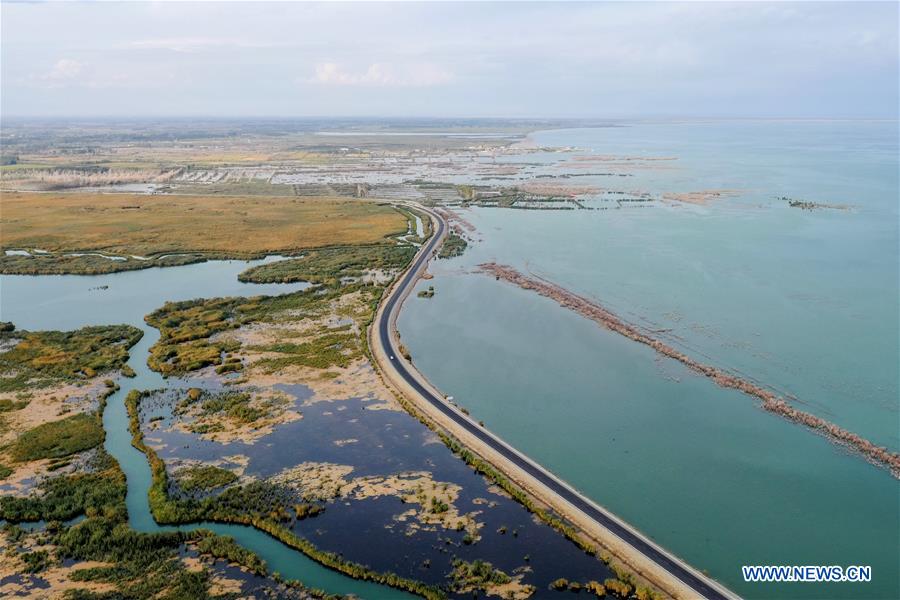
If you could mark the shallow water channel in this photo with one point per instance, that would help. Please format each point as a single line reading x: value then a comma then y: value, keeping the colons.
x: 67, y: 302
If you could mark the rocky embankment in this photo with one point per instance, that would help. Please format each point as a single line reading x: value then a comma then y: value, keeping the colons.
x: 770, y: 402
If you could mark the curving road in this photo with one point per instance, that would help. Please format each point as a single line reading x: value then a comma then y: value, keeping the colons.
x: 399, y: 368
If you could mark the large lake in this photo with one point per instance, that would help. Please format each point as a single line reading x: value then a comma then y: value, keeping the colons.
x: 802, y: 301
x: 805, y: 302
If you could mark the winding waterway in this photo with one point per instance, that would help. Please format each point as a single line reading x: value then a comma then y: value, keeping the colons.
x: 66, y: 302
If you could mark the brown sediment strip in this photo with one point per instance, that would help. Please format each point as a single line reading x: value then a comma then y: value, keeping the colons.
x: 700, y: 198
x: 875, y: 454
x: 557, y: 189
x: 460, y: 222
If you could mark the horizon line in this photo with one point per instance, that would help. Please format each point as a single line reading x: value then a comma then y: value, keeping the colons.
x: 439, y: 117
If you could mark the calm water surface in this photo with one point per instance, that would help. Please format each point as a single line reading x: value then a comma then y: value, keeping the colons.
x: 802, y: 301
x: 67, y: 302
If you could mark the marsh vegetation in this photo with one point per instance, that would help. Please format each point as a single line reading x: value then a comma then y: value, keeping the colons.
x: 241, y: 206
x: 332, y: 266
x: 203, y: 478
x: 263, y: 505
x: 453, y: 246
x: 170, y: 225
x: 188, y: 330
x: 97, y: 490
x: 58, y: 439
x: 43, y: 358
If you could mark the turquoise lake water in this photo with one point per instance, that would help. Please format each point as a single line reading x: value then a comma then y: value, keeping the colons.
x: 805, y: 302
x: 68, y: 302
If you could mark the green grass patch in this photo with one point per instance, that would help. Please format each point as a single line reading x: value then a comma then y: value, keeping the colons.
x: 57, y: 439
x: 9, y: 405
x: 329, y: 265
x: 203, y: 478
x: 59, y: 264
x: 238, y: 407
x: 185, y: 327
x: 45, y: 357
x: 454, y: 245
x: 329, y: 348
x: 99, y: 491
x: 35, y: 562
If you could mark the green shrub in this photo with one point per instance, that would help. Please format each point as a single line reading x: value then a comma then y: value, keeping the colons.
x: 101, y: 491
x: 59, y: 438
x: 8, y: 405
x: 44, y: 357
x: 329, y: 265
x: 203, y: 478
x: 560, y: 584
x: 454, y: 245
x: 35, y: 562
x: 618, y: 588
x: 478, y: 574
x: 222, y: 546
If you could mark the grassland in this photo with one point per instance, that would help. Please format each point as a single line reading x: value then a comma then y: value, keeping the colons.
x: 61, y: 264
x: 188, y: 330
x: 202, y: 478
x: 322, y: 349
x: 151, y: 225
x: 45, y: 357
x: 52, y: 394
x: 57, y: 439
x: 98, y: 490
x: 186, y: 327
x: 454, y: 245
x: 330, y: 265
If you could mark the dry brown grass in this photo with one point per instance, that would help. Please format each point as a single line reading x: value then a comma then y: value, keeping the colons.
x: 148, y: 225
x: 60, y: 179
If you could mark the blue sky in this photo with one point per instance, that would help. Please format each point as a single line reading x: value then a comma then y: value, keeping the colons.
x: 505, y: 59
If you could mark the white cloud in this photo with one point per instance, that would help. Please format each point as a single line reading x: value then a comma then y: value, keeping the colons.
x: 64, y: 69
x: 71, y: 74
x: 383, y: 74
x: 195, y: 44
x: 591, y: 58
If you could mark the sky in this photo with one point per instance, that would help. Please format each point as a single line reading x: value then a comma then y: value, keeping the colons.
x: 506, y: 59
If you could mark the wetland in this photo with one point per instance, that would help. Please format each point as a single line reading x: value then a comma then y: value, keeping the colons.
x: 184, y: 367
x: 222, y: 407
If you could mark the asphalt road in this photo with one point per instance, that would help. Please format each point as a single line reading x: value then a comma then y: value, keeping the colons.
x: 676, y: 568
